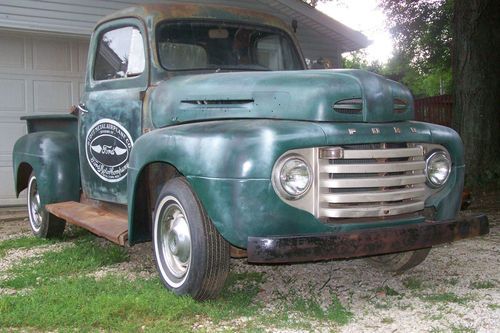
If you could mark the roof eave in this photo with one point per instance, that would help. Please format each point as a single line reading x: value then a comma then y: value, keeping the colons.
x: 350, y: 39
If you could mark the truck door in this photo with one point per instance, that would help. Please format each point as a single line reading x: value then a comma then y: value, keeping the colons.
x: 111, y: 108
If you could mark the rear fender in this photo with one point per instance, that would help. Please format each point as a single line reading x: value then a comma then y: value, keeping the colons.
x: 53, y: 157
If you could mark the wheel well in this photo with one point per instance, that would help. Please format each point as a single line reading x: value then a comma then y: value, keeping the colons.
x: 23, y: 174
x: 149, y: 184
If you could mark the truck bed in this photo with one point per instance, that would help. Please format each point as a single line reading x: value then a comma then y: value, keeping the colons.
x: 67, y: 123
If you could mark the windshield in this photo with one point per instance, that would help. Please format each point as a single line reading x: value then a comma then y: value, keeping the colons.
x: 222, y: 46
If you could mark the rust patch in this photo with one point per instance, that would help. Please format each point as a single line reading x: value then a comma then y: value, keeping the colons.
x: 238, y: 253
x: 365, y: 242
x: 99, y: 221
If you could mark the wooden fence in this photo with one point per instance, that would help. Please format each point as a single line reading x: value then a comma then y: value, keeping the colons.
x: 436, y: 109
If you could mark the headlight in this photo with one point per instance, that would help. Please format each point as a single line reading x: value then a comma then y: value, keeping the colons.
x: 292, y: 177
x: 437, y: 168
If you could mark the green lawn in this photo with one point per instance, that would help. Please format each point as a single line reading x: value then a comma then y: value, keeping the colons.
x: 57, y: 291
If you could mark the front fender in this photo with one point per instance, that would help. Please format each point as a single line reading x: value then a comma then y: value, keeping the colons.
x: 53, y: 156
x: 226, y: 149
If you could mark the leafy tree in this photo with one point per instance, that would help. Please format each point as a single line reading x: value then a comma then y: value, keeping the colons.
x: 422, y: 35
x: 357, y: 59
x: 432, y: 82
x: 421, y: 30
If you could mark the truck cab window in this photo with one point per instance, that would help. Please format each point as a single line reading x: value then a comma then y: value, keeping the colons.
x: 120, y: 54
x: 224, y: 46
x: 182, y: 55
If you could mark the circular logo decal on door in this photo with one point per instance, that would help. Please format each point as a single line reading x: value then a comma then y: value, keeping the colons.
x: 107, y: 146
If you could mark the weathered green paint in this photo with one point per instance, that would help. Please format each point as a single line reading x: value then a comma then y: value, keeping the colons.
x: 278, y: 95
x: 117, y: 100
x: 66, y: 123
x: 53, y: 156
x: 229, y: 165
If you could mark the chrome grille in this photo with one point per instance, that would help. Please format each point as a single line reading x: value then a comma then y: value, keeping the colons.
x: 376, y: 180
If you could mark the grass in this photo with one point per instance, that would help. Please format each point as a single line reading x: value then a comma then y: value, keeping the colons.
x: 462, y: 329
x: 413, y: 283
x: 85, y: 256
x: 452, y: 281
x: 59, y: 293
x: 336, y: 312
x: 388, y: 291
x: 445, y: 298
x: 236, y: 299
x: 70, y: 299
x: 115, y: 304
x: 22, y: 242
x: 483, y: 285
x: 86, y: 304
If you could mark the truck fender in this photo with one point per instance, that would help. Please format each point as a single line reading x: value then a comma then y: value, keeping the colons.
x: 53, y: 157
x: 229, y: 149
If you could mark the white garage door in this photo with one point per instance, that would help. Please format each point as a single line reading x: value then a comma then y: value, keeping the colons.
x: 39, y: 73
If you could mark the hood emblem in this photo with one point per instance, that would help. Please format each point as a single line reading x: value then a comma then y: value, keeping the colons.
x: 108, y: 150
x: 351, y: 131
x: 397, y: 130
x: 375, y: 130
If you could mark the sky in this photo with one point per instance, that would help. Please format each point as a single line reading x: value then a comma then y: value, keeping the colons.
x: 364, y: 16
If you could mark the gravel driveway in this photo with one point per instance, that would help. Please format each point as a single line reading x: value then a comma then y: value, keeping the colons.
x: 456, y: 289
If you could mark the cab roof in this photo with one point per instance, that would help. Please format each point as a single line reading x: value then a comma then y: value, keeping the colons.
x: 151, y: 14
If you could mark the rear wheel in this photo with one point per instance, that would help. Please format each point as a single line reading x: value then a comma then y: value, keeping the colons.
x: 399, y: 262
x: 191, y: 256
x: 43, y: 224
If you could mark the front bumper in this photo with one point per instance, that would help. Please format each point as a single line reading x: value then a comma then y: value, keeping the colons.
x: 366, y: 242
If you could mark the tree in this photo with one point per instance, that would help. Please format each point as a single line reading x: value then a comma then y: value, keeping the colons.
x: 421, y: 31
x: 476, y: 73
x: 431, y: 82
x: 357, y: 59
x: 422, y: 35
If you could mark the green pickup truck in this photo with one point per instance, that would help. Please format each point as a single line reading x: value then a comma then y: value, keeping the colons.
x: 201, y: 130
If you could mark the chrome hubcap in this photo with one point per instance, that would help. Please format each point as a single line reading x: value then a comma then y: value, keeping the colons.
x: 35, y: 206
x: 175, y: 239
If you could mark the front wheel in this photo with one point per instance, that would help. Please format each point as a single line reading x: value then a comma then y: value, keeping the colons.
x: 191, y: 256
x: 43, y: 224
x: 399, y: 262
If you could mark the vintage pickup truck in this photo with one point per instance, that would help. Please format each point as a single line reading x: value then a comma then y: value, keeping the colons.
x: 201, y: 130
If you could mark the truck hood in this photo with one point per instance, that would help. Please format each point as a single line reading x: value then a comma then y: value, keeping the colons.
x: 312, y: 95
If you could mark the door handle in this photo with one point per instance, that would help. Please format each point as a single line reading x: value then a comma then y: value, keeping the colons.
x: 82, y: 108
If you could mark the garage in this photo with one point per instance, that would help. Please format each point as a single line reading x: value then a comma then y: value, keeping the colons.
x: 39, y: 73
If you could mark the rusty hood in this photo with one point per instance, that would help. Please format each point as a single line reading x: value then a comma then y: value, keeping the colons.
x: 314, y: 95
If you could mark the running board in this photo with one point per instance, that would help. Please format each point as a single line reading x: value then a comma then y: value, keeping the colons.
x: 110, y: 225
